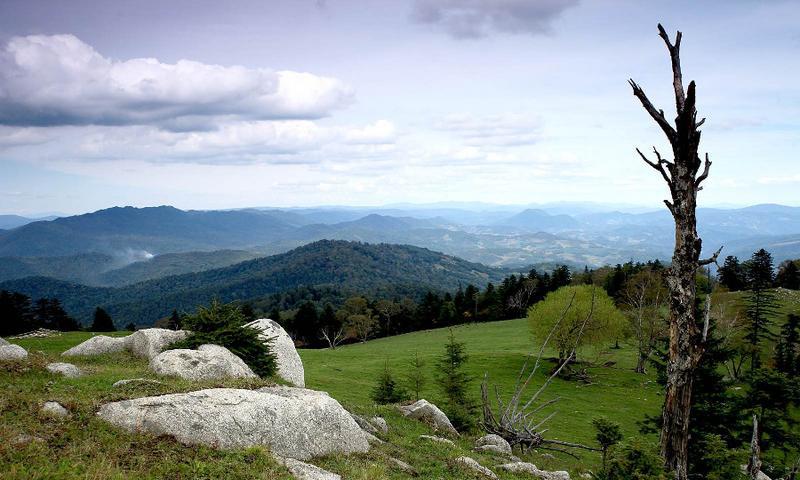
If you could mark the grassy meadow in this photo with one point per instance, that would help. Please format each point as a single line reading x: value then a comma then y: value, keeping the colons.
x: 83, y: 446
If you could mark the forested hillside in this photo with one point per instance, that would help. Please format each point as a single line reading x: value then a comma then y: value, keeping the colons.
x: 375, y: 270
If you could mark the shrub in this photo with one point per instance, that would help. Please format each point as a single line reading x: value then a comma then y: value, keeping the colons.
x: 454, y: 382
x: 634, y: 461
x: 387, y: 390
x: 223, y: 324
x: 608, y: 434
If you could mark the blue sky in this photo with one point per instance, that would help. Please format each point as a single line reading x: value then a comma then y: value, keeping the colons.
x: 290, y: 103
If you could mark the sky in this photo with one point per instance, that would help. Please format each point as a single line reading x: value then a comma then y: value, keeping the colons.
x: 208, y: 104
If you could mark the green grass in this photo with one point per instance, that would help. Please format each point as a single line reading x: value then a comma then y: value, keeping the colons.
x: 85, y: 447
x: 349, y: 373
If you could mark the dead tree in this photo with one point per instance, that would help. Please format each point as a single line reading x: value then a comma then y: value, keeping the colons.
x: 684, y: 178
x: 521, y: 423
x: 754, y: 464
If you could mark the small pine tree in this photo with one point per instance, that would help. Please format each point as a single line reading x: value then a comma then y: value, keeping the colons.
x: 175, y: 320
x: 386, y: 390
x: 223, y: 324
x: 454, y: 383
x: 761, y: 304
x: 131, y: 327
x: 102, y: 321
x: 416, y: 375
x: 788, y: 348
x: 607, y: 434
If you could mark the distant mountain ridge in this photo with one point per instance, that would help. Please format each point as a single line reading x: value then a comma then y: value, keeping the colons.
x: 377, y: 270
x: 496, y: 236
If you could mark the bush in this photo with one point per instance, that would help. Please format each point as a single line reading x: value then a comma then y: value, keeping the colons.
x: 454, y: 382
x: 223, y: 324
x: 634, y: 461
x: 387, y: 390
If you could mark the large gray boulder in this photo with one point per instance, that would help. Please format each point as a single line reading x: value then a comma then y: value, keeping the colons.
x: 149, y: 342
x: 290, y: 367
x: 208, y: 362
x: 530, y: 469
x: 429, y: 413
x: 299, y: 425
x: 99, y: 345
x: 67, y: 370
x: 3, y: 341
x: 12, y: 352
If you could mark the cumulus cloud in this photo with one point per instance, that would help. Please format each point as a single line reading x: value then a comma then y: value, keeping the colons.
x: 60, y: 80
x: 479, y: 18
x: 499, y: 130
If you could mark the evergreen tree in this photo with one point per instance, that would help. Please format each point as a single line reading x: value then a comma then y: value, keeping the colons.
x: 275, y: 315
x: 174, y: 321
x: 454, y: 383
x: 130, y: 327
x: 416, y: 375
x: 387, y: 391
x: 223, y: 324
x: 16, y: 315
x: 48, y: 313
x: 760, y: 304
x: 731, y: 274
x: 102, y: 321
x: 787, y: 352
x: 788, y: 275
x: 248, y: 312
x: 306, y: 323
x: 561, y: 277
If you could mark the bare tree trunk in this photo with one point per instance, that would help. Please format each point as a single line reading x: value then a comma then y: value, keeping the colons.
x: 754, y: 465
x: 641, y: 363
x: 686, y: 342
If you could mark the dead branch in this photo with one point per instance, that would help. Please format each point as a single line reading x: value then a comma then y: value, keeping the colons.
x: 711, y: 259
x: 754, y: 465
x: 519, y: 423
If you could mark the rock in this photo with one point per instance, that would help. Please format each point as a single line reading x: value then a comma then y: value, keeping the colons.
x: 365, y: 425
x: 438, y: 439
x: 492, y: 450
x: 290, y: 367
x: 429, y: 413
x: 403, y: 466
x: 494, y: 444
x: 67, y: 370
x: 373, y: 440
x: 761, y: 475
x: 208, y: 362
x: 547, y: 456
x: 3, y: 342
x: 530, y: 469
x: 54, y: 409
x: 134, y: 381
x: 298, y: 425
x: 306, y: 471
x: 24, y: 439
x: 12, y: 352
x: 472, y: 464
x: 380, y: 424
x: 99, y: 345
x: 149, y: 342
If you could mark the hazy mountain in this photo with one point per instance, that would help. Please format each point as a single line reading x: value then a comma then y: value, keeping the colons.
x: 152, y: 230
x: 8, y: 222
x: 376, y: 270
x: 535, y: 220
x: 96, y: 269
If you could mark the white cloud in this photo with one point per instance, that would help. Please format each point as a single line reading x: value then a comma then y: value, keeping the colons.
x: 60, y: 80
x: 479, y: 18
x: 508, y: 129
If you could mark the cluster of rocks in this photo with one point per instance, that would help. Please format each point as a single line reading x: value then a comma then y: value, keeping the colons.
x: 38, y: 333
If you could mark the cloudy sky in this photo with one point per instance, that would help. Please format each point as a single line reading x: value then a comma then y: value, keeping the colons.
x: 209, y: 104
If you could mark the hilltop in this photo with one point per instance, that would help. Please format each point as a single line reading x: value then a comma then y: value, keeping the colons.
x: 346, y: 267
